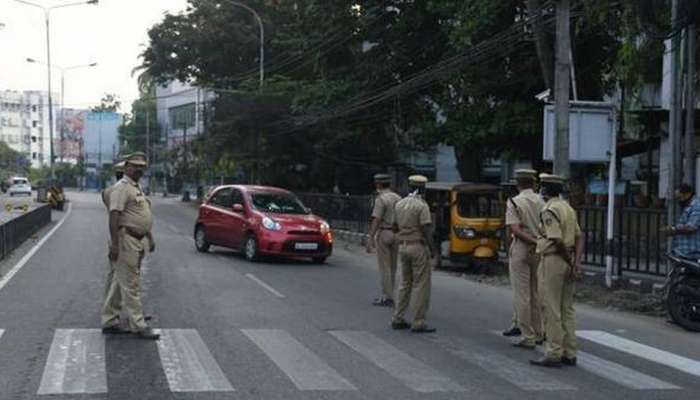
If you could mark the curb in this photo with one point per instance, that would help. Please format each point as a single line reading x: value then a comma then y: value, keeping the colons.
x: 351, y: 237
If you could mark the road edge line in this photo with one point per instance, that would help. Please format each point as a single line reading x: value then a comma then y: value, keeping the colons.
x: 11, y: 273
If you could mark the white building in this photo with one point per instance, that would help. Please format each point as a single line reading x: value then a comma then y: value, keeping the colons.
x: 180, y: 108
x: 24, y: 124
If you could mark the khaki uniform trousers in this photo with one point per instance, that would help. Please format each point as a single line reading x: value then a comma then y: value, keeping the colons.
x: 415, y: 274
x: 522, y: 266
x: 387, y: 256
x: 123, y: 281
x: 557, y: 296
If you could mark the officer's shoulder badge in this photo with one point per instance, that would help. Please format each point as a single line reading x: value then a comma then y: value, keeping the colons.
x: 548, y: 221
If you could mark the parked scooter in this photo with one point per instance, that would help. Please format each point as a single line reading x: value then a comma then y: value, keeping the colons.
x: 683, y: 292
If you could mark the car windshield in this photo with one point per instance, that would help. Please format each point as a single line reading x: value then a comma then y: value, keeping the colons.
x: 19, y: 182
x: 278, y: 203
x: 473, y: 205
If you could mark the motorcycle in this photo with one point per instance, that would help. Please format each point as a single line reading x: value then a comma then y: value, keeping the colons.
x: 683, y: 292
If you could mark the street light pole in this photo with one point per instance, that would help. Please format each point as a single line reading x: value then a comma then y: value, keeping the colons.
x: 47, y: 14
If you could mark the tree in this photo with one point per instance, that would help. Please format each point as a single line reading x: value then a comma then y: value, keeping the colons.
x: 11, y: 162
x: 108, y: 103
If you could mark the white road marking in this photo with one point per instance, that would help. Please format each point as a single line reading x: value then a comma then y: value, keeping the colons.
x: 188, y: 364
x: 2, y: 332
x: 519, y: 374
x: 301, y: 365
x: 413, y: 373
x: 76, y: 363
x: 5, y: 279
x: 680, y: 363
x: 614, y: 372
x: 265, y: 285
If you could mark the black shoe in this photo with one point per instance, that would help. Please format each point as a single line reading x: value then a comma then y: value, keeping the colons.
x: 569, y: 362
x: 400, y: 325
x: 540, y: 342
x: 147, y: 334
x: 388, y: 303
x: 147, y: 317
x: 379, y: 302
x: 547, y: 362
x: 113, y: 330
x: 423, y: 329
x: 515, y: 331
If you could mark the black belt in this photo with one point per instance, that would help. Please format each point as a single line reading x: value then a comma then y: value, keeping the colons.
x: 133, y: 233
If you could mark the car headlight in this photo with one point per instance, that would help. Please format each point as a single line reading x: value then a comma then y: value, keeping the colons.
x: 464, y: 232
x: 271, y: 224
x: 325, y: 228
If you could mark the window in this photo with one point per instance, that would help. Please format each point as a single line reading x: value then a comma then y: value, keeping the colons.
x: 182, y: 116
x: 34, y: 108
x: 33, y: 156
x: 33, y: 139
x: 34, y: 124
x: 236, y: 197
x: 278, y: 203
x: 223, y: 198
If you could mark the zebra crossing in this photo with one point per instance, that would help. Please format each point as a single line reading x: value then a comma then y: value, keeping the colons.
x: 76, y: 363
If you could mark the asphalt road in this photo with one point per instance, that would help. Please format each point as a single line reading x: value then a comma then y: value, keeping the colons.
x: 293, y: 330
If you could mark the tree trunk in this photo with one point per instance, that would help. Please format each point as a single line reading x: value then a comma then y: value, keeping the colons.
x: 469, y: 163
x: 543, y: 42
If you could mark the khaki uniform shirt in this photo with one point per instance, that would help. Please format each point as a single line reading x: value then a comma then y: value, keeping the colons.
x: 524, y: 209
x: 105, y: 195
x: 558, y: 221
x: 412, y: 213
x: 383, y: 209
x: 128, y: 198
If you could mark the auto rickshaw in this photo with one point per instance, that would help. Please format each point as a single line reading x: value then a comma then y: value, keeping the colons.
x: 468, y: 222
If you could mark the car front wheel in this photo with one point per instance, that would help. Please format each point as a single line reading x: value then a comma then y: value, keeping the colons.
x: 319, y: 260
x: 200, y: 239
x: 250, y: 248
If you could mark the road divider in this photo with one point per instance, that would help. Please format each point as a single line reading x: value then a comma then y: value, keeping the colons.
x: 5, y: 279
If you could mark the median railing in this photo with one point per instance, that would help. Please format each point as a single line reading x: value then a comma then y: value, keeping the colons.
x: 16, y: 231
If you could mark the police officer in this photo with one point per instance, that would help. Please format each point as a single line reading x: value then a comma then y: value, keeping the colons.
x: 118, y: 175
x: 560, y: 249
x: 510, y: 190
x: 382, y: 236
x: 413, y: 222
x: 130, y: 222
x: 522, y: 217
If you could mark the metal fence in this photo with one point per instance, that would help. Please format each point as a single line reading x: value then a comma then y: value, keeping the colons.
x: 350, y: 213
x: 638, y: 244
x: 16, y: 231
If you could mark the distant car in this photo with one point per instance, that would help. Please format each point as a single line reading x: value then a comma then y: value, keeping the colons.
x: 20, y: 186
x: 261, y: 221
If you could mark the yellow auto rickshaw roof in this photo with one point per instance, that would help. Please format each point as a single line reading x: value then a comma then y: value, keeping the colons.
x: 465, y: 187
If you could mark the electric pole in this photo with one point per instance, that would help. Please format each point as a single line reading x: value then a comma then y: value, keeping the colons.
x: 674, y: 116
x: 562, y: 87
x: 690, y: 154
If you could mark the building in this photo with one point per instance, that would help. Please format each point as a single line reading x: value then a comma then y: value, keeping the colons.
x: 100, y: 146
x: 24, y: 124
x: 181, y: 109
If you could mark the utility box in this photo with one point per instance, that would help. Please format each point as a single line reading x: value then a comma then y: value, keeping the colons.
x: 591, y: 131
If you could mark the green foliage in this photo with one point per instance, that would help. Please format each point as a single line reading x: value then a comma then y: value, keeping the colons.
x: 12, y: 163
x: 108, y: 103
x: 324, y: 114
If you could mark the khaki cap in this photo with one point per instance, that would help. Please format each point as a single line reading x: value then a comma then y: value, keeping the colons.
x: 525, y: 174
x: 119, y: 167
x: 137, y: 158
x: 417, y: 180
x: 382, y: 178
x: 549, y: 178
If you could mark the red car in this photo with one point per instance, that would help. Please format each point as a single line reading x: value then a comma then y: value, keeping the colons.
x: 261, y: 221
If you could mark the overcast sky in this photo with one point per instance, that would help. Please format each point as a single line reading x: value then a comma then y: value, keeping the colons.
x: 112, y: 34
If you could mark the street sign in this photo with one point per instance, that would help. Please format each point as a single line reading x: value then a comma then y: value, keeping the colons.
x: 592, y: 128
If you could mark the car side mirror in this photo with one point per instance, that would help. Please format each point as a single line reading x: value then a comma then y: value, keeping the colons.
x: 238, y: 207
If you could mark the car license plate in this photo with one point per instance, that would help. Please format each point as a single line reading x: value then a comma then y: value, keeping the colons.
x: 306, y: 246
